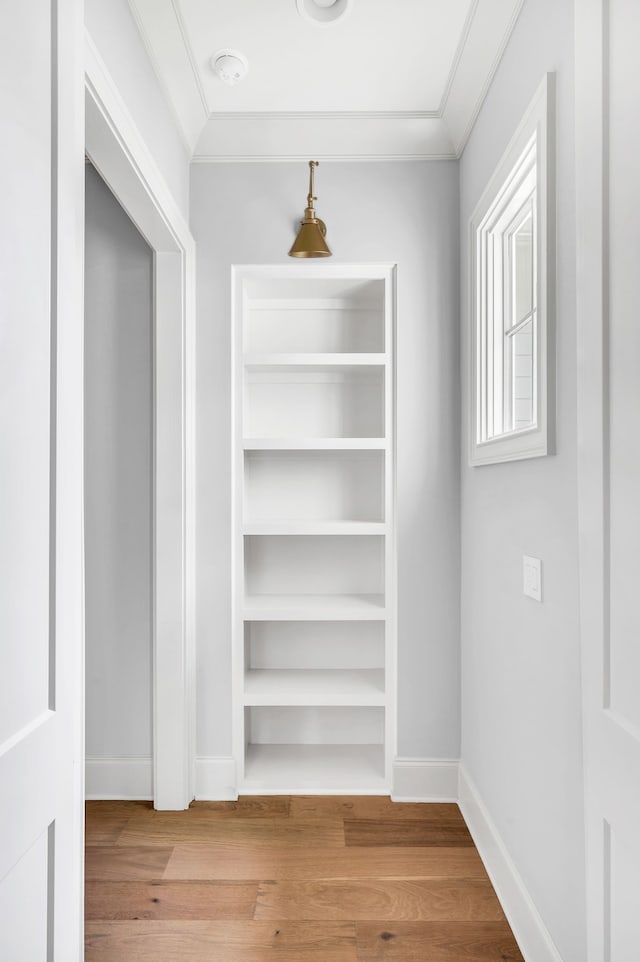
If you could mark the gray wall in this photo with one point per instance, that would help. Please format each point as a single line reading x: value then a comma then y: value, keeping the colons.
x: 521, y: 698
x: 118, y: 486
x: 406, y: 213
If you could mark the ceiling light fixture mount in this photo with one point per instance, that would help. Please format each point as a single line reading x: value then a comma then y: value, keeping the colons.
x: 323, y: 12
x: 310, y: 241
x: 230, y: 66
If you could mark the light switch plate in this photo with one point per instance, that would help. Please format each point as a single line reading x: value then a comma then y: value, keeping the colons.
x: 532, y: 577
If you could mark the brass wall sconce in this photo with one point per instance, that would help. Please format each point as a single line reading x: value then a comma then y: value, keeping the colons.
x: 310, y: 241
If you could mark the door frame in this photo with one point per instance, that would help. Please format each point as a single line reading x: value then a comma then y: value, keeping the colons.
x: 592, y: 432
x: 117, y: 150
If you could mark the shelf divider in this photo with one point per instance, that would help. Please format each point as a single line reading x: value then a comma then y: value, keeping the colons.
x: 314, y: 527
x: 314, y: 608
x: 319, y: 687
x: 259, y: 361
x: 314, y: 444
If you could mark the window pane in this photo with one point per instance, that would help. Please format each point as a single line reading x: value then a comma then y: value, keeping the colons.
x: 522, y: 368
x: 510, y: 297
x: 522, y: 254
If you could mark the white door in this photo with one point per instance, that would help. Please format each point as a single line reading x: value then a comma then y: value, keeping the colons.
x: 608, y: 290
x: 41, y: 168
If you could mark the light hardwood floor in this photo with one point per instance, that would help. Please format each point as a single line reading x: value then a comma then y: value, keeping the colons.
x: 279, y: 879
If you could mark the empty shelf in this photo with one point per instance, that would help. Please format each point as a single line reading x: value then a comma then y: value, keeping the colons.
x: 314, y: 444
x: 314, y: 687
x: 327, y: 769
x: 285, y: 360
x: 314, y: 608
x: 314, y: 527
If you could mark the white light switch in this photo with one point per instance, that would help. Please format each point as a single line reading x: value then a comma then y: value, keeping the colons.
x: 532, y: 577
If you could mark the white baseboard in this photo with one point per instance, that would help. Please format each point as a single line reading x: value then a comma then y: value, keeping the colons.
x: 216, y: 778
x: 530, y: 931
x: 131, y: 778
x: 425, y: 780
x: 414, y: 779
x: 119, y: 777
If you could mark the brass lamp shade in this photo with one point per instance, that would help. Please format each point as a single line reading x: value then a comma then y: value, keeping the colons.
x: 310, y: 241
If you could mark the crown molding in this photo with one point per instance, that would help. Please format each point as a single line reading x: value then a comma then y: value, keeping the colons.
x: 163, y: 35
x: 484, y: 44
x: 457, y: 57
x: 325, y: 158
x: 265, y: 136
x: 325, y: 115
x: 177, y: 11
x: 371, y: 135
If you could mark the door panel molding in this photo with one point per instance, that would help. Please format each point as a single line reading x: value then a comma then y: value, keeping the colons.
x: 611, y: 744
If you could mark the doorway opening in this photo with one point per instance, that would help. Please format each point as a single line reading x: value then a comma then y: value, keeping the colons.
x: 118, y: 460
x: 127, y: 171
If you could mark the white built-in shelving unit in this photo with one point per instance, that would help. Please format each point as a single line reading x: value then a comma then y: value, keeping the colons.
x: 314, y: 537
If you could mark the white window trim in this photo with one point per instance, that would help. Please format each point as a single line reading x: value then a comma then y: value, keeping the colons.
x: 539, y: 439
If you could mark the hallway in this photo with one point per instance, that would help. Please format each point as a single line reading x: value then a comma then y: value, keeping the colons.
x: 373, y: 521
x: 268, y: 879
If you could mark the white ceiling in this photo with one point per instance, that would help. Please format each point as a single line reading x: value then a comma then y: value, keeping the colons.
x: 393, y: 79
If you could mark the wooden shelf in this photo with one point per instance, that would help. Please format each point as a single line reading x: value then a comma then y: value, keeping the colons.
x: 314, y: 687
x: 315, y: 769
x: 313, y: 527
x: 314, y: 444
x: 314, y: 608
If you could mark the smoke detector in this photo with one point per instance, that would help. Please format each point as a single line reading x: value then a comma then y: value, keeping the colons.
x: 323, y: 12
x: 230, y: 66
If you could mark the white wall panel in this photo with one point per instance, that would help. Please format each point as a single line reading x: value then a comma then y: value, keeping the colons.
x: 624, y: 360
x: 621, y: 907
x: 24, y: 936
x: 25, y: 382
x: 41, y: 482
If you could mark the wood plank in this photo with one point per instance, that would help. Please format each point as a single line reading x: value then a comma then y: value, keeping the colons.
x: 170, y: 900
x: 373, y: 832
x: 169, y: 828
x: 103, y: 831
x: 380, y: 899
x: 437, y: 942
x: 191, y: 860
x: 247, y: 806
x: 109, y: 863
x: 371, y: 806
x: 269, y: 879
x: 113, y: 808
x: 239, y: 941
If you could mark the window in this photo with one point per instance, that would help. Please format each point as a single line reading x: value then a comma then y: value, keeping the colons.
x: 512, y: 261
